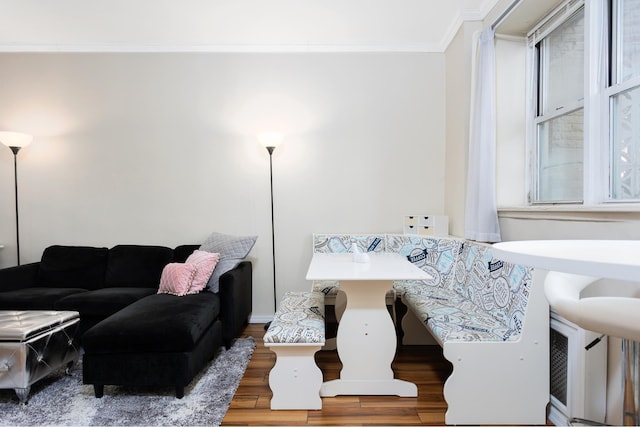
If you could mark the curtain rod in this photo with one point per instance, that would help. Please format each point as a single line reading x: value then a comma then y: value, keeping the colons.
x: 504, y: 14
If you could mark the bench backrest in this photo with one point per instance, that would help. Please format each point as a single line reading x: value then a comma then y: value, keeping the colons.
x: 497, y: 287
x: 435, y: 255
x: 341, y: 243
x: 468, y: 268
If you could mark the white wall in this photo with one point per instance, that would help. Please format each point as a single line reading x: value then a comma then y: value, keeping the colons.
x: 160, y: 148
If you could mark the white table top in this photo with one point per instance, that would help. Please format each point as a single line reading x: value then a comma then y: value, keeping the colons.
x: 381, y: 266
x: 608, y: 313
x: 612, y: 259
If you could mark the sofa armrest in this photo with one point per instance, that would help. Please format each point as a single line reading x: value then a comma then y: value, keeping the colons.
x: 18, y: 277
x: 236, y: 293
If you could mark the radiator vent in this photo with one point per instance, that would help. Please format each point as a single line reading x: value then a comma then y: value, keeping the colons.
x: 577, y: 377
x: 559, y: 353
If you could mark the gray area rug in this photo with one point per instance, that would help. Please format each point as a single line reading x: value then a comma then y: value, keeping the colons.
x: 63, y: 400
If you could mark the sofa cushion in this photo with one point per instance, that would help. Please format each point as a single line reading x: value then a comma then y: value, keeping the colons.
x: 72, y: 267
x: 136, y: 265
x: 229, y: 246
x: 177, y: 278
x: 232, y: 250
x: 157, y: 323
x: 35, y: 298
x: 182, y: 252
x: 102, y: 302
x: 205, y: 262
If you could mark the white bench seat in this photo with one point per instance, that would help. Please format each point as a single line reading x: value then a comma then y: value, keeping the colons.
x: 296, y: 333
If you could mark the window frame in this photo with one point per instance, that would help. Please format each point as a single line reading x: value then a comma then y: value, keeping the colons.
x: 600, y: 89
x: 537, y: 36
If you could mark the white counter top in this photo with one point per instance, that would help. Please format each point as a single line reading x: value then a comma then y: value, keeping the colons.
x: 613, y: 259
x: 574, y: 265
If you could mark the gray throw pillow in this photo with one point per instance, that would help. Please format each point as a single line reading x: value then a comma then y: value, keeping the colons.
x: 232, y: 250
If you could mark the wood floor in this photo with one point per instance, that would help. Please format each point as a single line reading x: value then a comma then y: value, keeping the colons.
x: 423, y: 365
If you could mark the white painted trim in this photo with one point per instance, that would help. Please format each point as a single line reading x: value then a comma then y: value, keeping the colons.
x: 472, y: 14
x: 620, y: 213
x: 260, y: 319
x: 463, y: 16
x: 220, y: 48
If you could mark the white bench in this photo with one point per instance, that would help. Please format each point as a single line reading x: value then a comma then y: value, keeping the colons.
x: 490, y: 318
x: 296, y: 333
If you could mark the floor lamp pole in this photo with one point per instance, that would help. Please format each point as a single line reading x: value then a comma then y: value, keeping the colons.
x: 15, y: 181
x: 273, y: 234
x: 15, y: 141
x: 270, y: 140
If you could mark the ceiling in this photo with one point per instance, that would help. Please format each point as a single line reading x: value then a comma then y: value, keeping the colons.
x: 234, y: 25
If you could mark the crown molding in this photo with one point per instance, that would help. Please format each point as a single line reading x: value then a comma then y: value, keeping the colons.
x: 463, y: 15
x: 217, y: 48
x: 461, y: 18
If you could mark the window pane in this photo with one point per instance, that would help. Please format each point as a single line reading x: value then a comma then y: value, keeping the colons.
x: 629, y: 38
x: 560, y: 159
x: 563, y: 58
x: 625, y: 156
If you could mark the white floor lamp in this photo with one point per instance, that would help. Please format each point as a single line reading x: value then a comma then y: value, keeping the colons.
x: 15, y: 141
x: 271, y: 140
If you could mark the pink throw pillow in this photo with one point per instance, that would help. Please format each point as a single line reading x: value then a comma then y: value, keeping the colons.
x: 176, y: 278
x: 205, y: 262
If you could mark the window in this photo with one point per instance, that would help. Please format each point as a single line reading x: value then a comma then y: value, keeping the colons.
x: 585, y: 141
x: 624, y: 95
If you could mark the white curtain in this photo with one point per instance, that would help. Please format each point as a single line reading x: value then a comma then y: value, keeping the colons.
x: 481, y: 216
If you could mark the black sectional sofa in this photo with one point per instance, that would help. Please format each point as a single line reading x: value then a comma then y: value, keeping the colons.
x: 131, y: 334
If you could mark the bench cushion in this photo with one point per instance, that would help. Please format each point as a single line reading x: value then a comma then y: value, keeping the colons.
x: 452, y: 324
x: 299, y: 319
x: 451, y: 317
x: 327, y: 287
x: 436, y: 256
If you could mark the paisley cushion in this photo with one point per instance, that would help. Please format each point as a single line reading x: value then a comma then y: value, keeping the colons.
x: 299, y: 319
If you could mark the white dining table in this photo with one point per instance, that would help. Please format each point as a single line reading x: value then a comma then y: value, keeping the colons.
x: 366, y: 340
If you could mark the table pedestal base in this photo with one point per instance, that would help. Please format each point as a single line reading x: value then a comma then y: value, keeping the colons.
x: 391, y: 387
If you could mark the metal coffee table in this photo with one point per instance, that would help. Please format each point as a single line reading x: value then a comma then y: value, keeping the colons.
x: 33, y: 344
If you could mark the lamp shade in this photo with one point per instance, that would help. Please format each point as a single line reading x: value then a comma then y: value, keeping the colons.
x: 270, y: 139
x: 15, y: 139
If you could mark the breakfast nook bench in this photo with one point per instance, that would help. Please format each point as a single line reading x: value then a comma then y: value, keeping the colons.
x: 490, y: 317
x: 296, y: 333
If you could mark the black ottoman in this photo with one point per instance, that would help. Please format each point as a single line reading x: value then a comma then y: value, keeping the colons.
x: 159, y: 340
